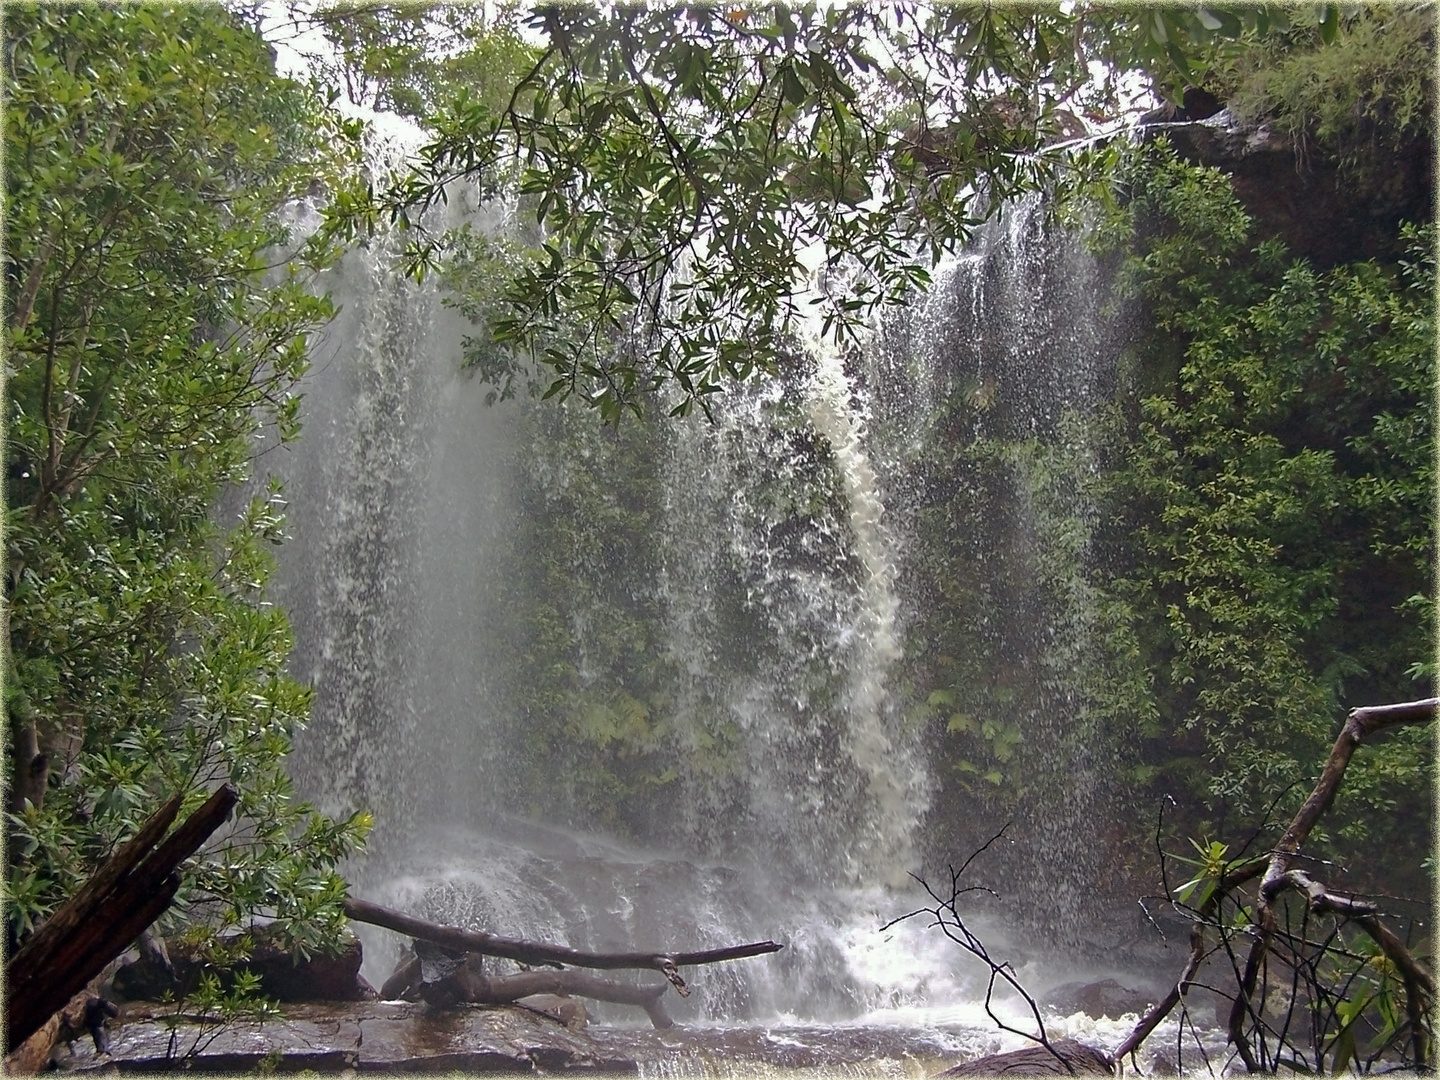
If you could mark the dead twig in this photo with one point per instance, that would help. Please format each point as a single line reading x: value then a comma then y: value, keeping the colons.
x: 946, y: 915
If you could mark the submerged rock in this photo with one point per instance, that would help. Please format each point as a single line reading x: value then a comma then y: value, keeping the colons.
x: 1104, y: 998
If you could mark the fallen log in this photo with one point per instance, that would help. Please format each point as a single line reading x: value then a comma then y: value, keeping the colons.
x: 503, y: 989
x: 31, y: 1057
x: 531, y: 952
x: 129, y: 892
x: 471, y: 984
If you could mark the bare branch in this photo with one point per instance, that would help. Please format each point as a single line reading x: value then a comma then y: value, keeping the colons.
x: 531, y: 952
x: 946, y: 915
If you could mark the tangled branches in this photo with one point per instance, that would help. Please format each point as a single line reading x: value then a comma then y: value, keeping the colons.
x: 1315, y: 979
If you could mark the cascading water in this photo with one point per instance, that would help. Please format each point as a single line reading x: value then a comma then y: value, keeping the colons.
x: 634, y: 689
x: 891, y: 768
x: 397, y: 503
x: 989, y: 401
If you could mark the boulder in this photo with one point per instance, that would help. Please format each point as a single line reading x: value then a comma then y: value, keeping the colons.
x: 1300, y: 197
x: 282, y: 976
x: 568, y: 1010
x: 1104, y: 998
x: 1075, y: 1059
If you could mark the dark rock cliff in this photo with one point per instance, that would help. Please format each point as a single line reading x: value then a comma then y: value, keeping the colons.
x: 1320, y: 209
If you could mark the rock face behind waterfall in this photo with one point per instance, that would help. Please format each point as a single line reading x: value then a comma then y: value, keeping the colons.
x: 1304, y: 200
x: 985, y: 396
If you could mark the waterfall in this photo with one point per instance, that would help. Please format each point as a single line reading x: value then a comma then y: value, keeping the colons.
x: 890, y: 771
x: 654, y: 686
x: 991, y: 400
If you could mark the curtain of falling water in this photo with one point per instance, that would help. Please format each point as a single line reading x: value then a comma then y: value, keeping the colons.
x: 406, y: 498
x: 398, y: 507
x: 1002, y: 374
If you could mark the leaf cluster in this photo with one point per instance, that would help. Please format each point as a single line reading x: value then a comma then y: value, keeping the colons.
x: 1280, y: 580
x: 407, y: 58
x: 705, y: 180
x: 1356, y: 94
x: 157, y: 321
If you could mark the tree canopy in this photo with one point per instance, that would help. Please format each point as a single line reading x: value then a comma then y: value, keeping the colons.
x: 155, y: 322
x: 702, y: 180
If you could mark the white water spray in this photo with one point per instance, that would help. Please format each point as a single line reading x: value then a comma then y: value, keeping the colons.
x: 890, y: 769
x: 777, y: 577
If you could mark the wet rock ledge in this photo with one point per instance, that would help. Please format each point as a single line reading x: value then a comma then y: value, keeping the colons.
x: 349, y: 1037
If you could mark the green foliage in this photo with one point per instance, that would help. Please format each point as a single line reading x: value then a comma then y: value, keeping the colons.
x: 212, y: 1006
x: 689, y: 168
x: 1016, y: 649
x: 1327, y: 998
x: 150, y: 342
x: 1369, y: 1005
x: 1231, y: 555
x: 599, y: 729
x: 1357, y: 97
x: 1210, y: 869
x: 474, y: 270
x: 1277, y: 499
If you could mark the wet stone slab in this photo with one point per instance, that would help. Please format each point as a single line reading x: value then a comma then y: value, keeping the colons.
x: 383, y: 1037
x: 479, y: 1039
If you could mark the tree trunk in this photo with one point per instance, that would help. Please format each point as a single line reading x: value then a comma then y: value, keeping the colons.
x: 122, y: 898
x: 32, y: 771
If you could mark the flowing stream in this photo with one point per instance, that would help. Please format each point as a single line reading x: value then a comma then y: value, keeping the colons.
x: 753, y: 767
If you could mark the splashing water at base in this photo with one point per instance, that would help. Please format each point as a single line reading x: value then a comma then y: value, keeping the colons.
x: 842, y: 999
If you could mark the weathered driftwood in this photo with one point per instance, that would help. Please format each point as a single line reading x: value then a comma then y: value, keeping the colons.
x: 530, y: 952
x: 1280, y: 876
x: 471, y: 984
x: 30, y: 1057
x: 129, y: 892
x: 503, y: 989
